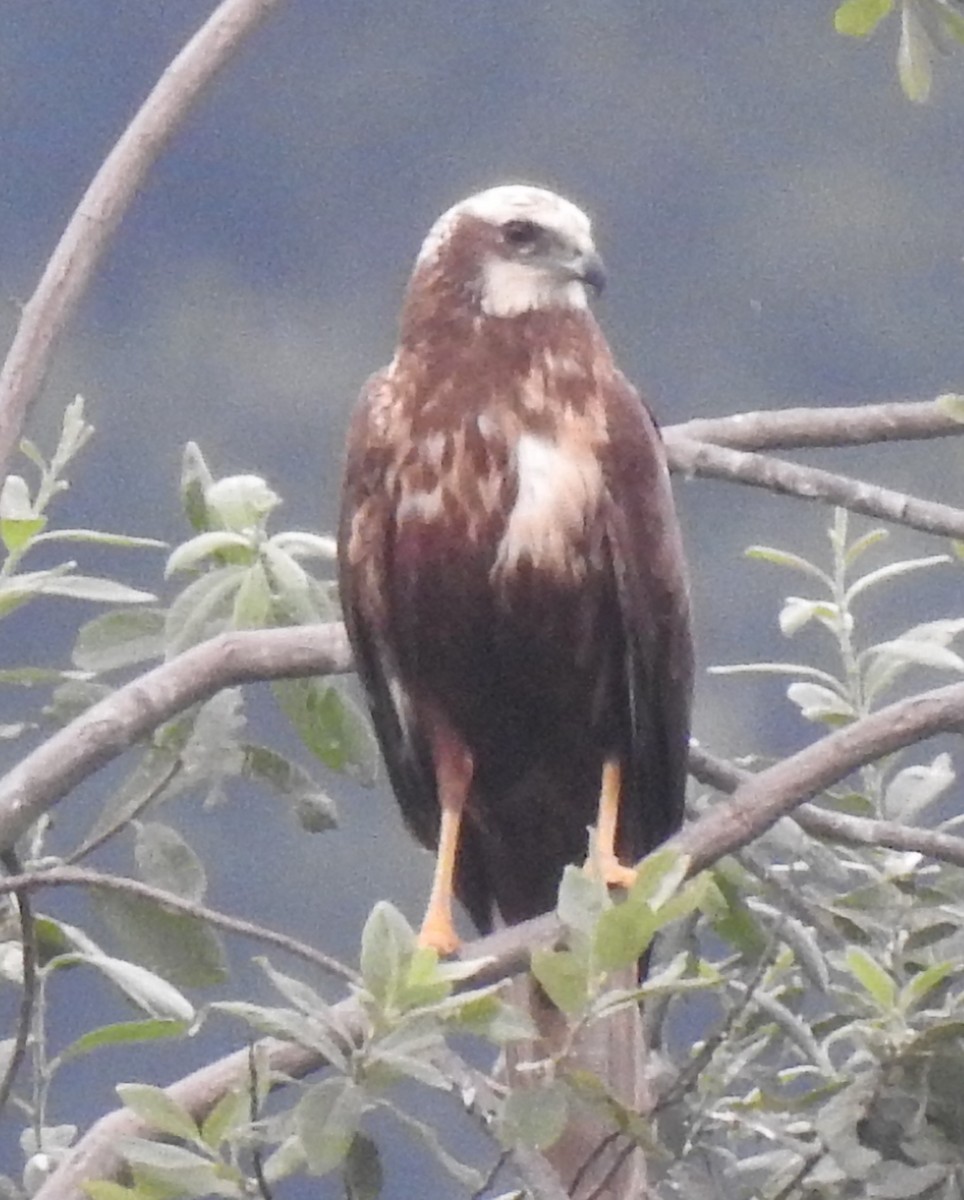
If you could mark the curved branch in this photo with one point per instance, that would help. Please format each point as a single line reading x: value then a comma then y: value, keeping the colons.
x: 109, y: 727
x: 758, y: 802
x: 809, y: 483
x: 108, y: 197
x: 800, y: 428
x: 833, y: 826
x: 31, y: 881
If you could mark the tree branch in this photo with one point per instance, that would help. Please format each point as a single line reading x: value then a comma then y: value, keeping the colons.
x: 109, y: 727
x: 799, y: 428
x: 108, y: 197
x: 836, y: 827
x: 30, y: 881
x: 758, y: 802
x: 809, y: 483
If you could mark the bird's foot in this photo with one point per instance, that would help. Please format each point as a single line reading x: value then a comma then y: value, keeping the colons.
x: 438, y: 933
x: 611, y: 871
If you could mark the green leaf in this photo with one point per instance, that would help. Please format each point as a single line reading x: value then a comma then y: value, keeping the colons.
x: 306, y: 545
x: 120, y: 639
x: 892, y: 571
x: 314, y: 809
x: 231, y: 1111
x: 326, y: 1118
x: 915, y: 788
x: 924, y: 982
x: 564, y: 978
x: 104, y: 1189
x: 914, y: 55
x: 74, y: 435
x: 872, y: 978
x: 798, y: 612
x: 101, y: 591
x: 123, y: 1034
x: 146, y: 782
x: 534, y: 1116
x: 467, y: 1177
x: 18, y: 534
x: 331, y: 726
x: 783, y: 558
x: 319, y: 1034
x: 179, y: 947
x: 623, y: 933
x: 219, y: 543
x: 167, y: 862
x: 861, y: 545
x: 660, y: 875
x: 818, y: 703
x: 304, y: 998
x: 859, y: 18
x: 196, y: 478
x: 180, y: 1171
x: 388, y: 942
x: 158, y: 1110
x: 145, y: 988
x: 202, y: 609
x: 582, y: 898
x: 97, y: 537
x: 363, y: 1170
x: 252, y: 604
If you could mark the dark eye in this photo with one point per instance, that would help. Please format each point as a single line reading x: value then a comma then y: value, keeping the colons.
x: 520, y: 233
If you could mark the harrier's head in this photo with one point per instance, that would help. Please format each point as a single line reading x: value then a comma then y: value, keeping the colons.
x: 515, y: 248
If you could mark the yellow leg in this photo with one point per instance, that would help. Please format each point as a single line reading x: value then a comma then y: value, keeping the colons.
x: 453, y: 772
x: 610, y: 869
x: 437, y: 930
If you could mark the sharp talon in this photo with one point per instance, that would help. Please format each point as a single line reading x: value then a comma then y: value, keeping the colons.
x: 439, y: 936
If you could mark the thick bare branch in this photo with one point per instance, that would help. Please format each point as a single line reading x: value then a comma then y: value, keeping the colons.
x: 798, y: 428
x: 809, y: 483
x: 133, y: 711
x: 108, y: 197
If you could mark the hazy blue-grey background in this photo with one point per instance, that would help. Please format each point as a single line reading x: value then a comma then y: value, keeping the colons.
x: 780, y: 225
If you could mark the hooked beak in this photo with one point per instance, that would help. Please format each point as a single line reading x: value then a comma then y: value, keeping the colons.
x: 590, y: 269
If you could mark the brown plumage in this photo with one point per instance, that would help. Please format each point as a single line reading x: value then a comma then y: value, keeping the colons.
x: 511, y: 569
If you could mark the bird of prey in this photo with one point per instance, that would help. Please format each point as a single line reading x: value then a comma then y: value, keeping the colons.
x: 511, y: 571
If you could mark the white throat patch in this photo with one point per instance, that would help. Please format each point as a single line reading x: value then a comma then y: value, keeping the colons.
x: 509, y: 288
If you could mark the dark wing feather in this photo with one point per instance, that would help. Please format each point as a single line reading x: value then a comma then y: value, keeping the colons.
x: 648, y: 562
x: 365, y: 539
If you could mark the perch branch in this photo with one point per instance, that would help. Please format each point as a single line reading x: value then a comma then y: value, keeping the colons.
x: 31, y: 881
x: 109, y: 727
x: 108, y: 197
x: 809, y: 483
x: 758, y: 802
x: 803, y: 428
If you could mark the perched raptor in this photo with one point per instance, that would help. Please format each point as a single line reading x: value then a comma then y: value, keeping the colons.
x: 511, y: 569
x: 515, y: 593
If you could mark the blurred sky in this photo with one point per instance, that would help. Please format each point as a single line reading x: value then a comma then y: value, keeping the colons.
x: 781, y: 227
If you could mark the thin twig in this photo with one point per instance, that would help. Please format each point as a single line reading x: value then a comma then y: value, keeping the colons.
x: 28, y: 995
x: 256, y: 1157
x: 801, y: 428
x: 708, y: 461
x: 85, y: 877
x: 110, y: 194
